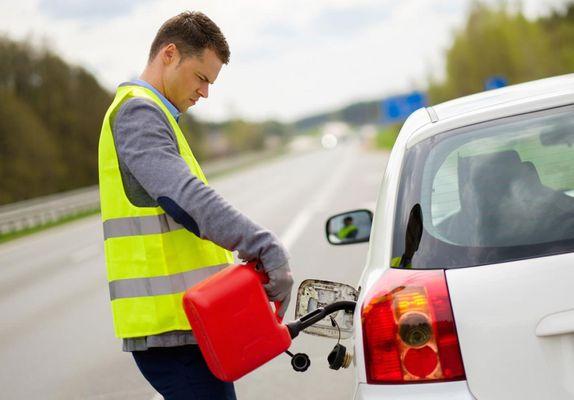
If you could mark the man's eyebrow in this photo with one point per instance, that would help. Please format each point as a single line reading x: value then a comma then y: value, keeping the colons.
x: 201, y: 76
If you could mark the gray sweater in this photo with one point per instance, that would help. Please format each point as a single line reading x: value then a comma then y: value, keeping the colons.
x: 153, y: 173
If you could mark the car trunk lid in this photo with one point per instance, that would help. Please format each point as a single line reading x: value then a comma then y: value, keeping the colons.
x: 515, y: 323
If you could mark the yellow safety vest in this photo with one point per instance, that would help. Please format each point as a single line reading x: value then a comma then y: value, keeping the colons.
x: 151, y: 260
x: 346, y: 230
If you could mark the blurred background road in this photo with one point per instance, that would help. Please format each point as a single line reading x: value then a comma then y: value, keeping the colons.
x: 56, y: 338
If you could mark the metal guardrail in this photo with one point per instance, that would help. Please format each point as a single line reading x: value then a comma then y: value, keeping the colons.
x: 53, y: 208
x: 43, y: 210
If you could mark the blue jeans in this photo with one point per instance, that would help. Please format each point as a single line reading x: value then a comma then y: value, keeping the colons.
x: 180, y: 373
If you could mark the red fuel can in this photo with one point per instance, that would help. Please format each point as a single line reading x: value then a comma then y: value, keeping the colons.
x: 232, y: 319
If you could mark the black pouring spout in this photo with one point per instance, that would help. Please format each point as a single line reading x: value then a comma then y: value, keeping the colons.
x: 316, y: 315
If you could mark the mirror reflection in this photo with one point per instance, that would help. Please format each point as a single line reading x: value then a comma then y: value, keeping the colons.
x: 349, y: 227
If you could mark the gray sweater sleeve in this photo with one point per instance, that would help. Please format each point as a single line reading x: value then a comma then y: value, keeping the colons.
x: 147, y: 149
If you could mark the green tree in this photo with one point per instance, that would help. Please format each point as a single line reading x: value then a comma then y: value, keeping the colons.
x: 495, y: 41
x: 560, y: 30
x: 30, y: 162
x: 60, y: 108
x: 244, y: 135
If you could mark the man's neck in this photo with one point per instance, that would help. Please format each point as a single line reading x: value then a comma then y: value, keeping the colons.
x: 153, y: 79
x: 148, y: 81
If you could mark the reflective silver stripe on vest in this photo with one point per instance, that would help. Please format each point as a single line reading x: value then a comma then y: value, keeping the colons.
x: 158, y: 285
x: 134, y: 226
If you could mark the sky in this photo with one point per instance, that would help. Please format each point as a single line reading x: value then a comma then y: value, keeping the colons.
x: 289, y: 58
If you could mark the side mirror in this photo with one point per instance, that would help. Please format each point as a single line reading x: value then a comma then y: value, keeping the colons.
x: 349, y: 227
x: 313, y: 294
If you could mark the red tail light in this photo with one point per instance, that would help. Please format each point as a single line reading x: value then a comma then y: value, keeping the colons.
x: 408, y: 329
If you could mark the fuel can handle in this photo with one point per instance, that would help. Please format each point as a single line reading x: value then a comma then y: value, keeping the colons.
x: 258, y: 268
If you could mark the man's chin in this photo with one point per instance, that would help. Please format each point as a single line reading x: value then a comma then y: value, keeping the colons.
x: 186, y: 106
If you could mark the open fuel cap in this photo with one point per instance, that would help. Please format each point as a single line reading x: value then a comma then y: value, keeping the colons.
x: 300, y: 362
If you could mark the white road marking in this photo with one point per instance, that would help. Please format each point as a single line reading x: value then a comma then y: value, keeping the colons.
x: 293, y: 231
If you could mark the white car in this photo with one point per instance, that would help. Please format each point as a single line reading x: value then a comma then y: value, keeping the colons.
x: 468, y: 289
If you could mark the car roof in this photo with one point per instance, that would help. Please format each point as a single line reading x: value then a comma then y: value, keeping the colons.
x: 492, y: 98
x: 491, y: 104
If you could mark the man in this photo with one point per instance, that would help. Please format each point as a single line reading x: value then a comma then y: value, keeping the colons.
x: 165, y: 229
x: 349, y: 229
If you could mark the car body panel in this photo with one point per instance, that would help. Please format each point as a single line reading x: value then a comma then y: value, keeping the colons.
x: 427, y: 391
x: 497, y: 309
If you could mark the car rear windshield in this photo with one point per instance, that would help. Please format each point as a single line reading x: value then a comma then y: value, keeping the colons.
x: 490, y: 193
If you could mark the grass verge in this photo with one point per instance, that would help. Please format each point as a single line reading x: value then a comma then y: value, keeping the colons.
x: 387, y: 136
x: 5, y: 237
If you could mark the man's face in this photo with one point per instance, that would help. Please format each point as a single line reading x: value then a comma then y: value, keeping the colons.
x: 187, y: 79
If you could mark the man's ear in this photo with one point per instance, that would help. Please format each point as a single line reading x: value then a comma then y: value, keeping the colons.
x: 169, y: 54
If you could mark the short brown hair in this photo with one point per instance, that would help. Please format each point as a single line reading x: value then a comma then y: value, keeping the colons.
x: 191, y: 32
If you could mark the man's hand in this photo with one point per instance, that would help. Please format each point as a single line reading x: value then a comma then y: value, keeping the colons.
x: 279, y: 287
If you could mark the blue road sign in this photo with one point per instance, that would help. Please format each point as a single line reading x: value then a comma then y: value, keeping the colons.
x: 495, y: 82
x: 398, y: 108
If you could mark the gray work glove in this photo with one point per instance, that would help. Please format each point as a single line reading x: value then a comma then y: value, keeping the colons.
x: 279, y: 287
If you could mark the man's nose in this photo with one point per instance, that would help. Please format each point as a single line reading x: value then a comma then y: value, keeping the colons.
x: 204, y: 90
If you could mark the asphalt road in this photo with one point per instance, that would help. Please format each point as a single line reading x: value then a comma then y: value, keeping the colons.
x: 56, y: 337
